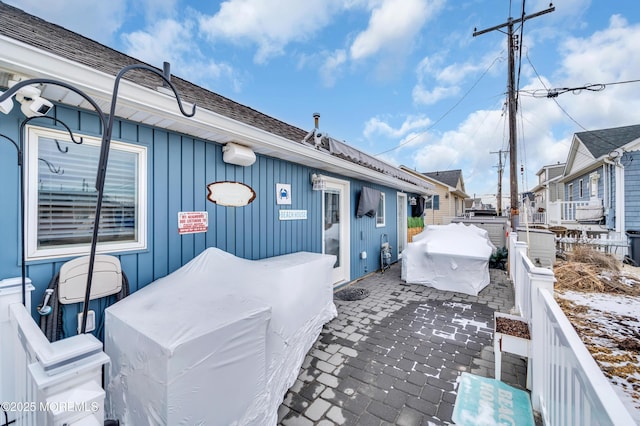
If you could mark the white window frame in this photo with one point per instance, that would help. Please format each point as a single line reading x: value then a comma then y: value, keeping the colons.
x: 593, y: 184
x: 381, y: 221
x: 31, y: 199
x: 580, y: 189
x: 570, y: 190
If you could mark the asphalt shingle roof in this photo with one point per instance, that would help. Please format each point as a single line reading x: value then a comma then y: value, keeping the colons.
x: 31, y: 30
x: 448, y: 177
x: 602, y: 142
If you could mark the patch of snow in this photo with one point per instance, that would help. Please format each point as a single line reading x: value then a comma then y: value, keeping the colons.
x: 613, y: 317
x: 464, y: 306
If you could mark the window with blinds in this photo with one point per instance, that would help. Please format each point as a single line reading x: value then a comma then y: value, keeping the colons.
x: 62, y: 213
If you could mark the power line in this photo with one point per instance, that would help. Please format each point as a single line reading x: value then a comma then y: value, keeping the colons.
x: 555, y: 92
x: 615, y: 146
x: 446, y: 112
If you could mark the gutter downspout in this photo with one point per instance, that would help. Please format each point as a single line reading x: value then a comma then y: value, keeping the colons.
x: 619, y: 194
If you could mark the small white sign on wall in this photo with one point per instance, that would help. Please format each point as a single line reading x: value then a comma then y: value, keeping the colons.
x: 283, y: 193
x: 287, y: 214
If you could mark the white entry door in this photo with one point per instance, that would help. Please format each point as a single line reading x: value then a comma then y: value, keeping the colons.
x: 335, y: 227
x: 402, y: 222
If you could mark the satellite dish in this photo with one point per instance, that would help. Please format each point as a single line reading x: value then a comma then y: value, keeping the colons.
x: 616, y: 153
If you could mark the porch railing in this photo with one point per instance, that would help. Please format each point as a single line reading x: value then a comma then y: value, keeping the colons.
x: 46, y: 383
x: 533, y: 217
x: 559, y: 212
x: 568, y: 387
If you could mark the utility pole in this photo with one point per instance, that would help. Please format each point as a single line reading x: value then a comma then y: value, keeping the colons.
x: 511, y: 93
x: 500, y: 171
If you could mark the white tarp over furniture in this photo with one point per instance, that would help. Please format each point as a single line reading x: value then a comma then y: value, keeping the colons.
x: 452, y: 257
x: 219, y: 341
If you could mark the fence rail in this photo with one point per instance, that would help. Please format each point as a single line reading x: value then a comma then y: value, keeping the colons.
x: 568, y: 387
x: 46, y: 383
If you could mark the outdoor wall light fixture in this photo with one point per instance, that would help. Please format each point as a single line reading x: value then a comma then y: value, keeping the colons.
x: 240, y: 155
x: 34, y: 106
x: 319, y: 182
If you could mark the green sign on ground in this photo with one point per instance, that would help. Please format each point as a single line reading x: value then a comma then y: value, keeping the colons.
x: 489, y: 402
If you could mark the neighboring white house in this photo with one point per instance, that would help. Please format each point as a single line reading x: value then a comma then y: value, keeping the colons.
x: 598, y: 190
x: 549, y: 189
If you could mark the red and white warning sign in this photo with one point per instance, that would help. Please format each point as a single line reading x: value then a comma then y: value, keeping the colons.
x: 192, y: 222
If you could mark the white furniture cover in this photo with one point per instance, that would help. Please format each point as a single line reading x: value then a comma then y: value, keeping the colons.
x: 218, y: 342
x: 452, y: 257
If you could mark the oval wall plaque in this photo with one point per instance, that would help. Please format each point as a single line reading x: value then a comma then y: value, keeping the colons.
x: 230, y: 194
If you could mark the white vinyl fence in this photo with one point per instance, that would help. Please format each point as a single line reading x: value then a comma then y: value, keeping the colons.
x: 568, y: 387
x: 43, y: 383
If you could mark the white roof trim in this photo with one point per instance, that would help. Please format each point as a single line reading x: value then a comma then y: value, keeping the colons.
x: 24, y: 59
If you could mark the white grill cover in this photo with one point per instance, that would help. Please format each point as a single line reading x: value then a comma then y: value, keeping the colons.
x: 452, y: 257
x: 219, y: 341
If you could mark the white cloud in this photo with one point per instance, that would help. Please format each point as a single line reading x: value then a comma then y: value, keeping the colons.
x: 156, y: 9
x: 165, y: 40
x: 270, y: 24
x: 606, y: 56
x: 475, y: 137
x: 332, y: 66
x: 377, y: 127
x: 544, y: 130
x: 435, y: 83
x: 423, y: 96
x: 393, y: 25
x: 173, y: 41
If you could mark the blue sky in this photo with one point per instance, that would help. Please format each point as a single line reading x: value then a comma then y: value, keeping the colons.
x: 404, y: 79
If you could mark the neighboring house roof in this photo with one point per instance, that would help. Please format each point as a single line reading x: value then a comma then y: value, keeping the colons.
x: 590, y: 149
x: 83, y: 56
x: 451, y: 178
x: 471, y: 203
x: 558, y: 166
x: 448, y: 177
x: 602, y: 142
x: 552, y: 172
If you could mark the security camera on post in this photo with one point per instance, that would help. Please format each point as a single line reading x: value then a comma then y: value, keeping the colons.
x: 32, y: 104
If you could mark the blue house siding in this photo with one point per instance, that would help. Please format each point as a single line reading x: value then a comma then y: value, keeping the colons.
x: 576, y: 188
x: 631, y: 162
x: 179, y: 168
x: 365, y: 236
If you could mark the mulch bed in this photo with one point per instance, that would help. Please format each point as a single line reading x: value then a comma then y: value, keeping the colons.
x: 512, y: 327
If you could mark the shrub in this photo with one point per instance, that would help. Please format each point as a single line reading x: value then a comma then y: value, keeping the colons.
x: 415, y: 222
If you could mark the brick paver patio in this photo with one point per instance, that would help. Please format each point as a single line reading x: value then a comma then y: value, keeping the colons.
x: 394, y: 357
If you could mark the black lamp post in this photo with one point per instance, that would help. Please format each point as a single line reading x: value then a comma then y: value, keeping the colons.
x: 107, y: 127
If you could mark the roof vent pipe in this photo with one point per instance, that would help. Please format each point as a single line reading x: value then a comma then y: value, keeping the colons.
x: 166, y: 71
x: 316, y: 119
